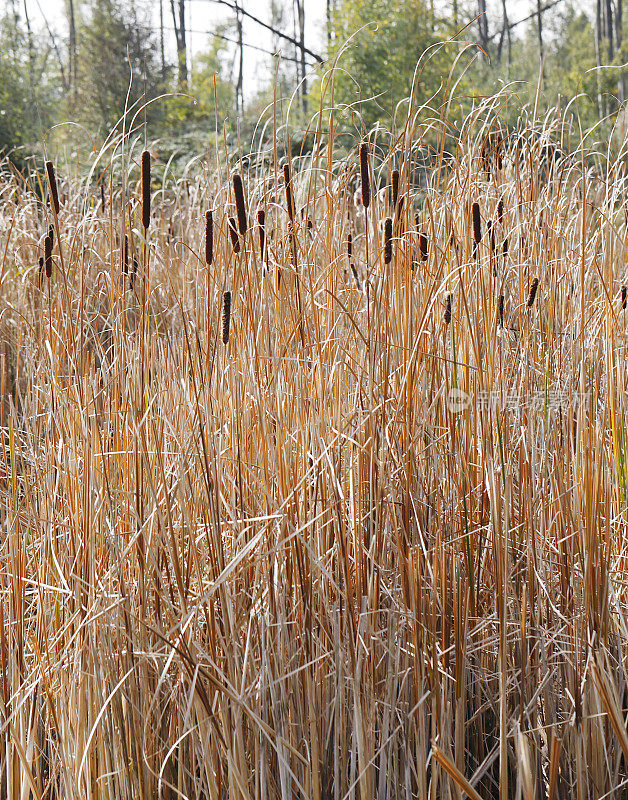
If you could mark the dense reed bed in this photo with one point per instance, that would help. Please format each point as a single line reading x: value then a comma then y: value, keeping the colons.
x: 313, y: 472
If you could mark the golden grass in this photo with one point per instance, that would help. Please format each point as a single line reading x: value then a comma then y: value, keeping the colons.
x: 300, y: 522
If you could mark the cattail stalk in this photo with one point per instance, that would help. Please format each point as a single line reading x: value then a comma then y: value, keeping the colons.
x: 287, y: 180
x: 423, y: 247
x: 533, y: 291
x: 52, y: 186
x: 261, y: 230
x: 125, y: 261
x: 226, y: 316
x: 477, y: 225
x: 209, y: 237
x: 48, y: 256
x: 146, y: 189
x: 365, y: 184
x: 238, y: 191
x: 395, y: 188
x: 233, y: 231
x: 388, y: 246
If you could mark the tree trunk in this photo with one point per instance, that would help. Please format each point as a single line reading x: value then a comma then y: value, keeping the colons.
x: 240, y: 81
x: 300, y: 4
x: 598, y: 55
x: 71, y: 47
x: 619, y: 40
x: 483, y: 25
x: 178, y: 18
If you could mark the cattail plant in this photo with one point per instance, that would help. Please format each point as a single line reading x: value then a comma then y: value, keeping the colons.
x: 500, y: 210
x: 226, y: 316
x: 146, y: 189
x: 395, y: 188
x: 423, y: 246
x: 287, y: 180
x: 447, y: 316
x: 365, y: 184
x: 533, y: 291
x: 209, y: 237
x: 261, y: 231
x: 125, y: 255
x: 233, y: 232
x: 238, y: 191
x: 102, y: 197
x: 48, y: 256
x: 501, y: 310
x: 349, y: 246
x: 624, y: 297
x: 51, y: 234
x: 52, y: 186
x: 477, y: 228
x: 388, y: 243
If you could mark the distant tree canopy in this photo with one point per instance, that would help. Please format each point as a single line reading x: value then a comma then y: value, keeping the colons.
x: 117, y: 55
x: 113, y: 55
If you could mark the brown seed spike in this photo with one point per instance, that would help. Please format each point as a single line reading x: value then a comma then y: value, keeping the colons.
x: 349, y: 245
x: 146, y: 189
x: 209, y: 237
x: 364, y: 175
x: 624, y: 297
x: 423, y: 247
x: 395, y: 188
x: 125, y: 255
x: 288, y: 186
x: 238, y: 191
x: 226, y: 316
x: 48, y: 256
x: 52, y: 186
x: 501, y: 310
x: 235, y: 239
x: 388, y: 247
x: 500, y: 210
x: 261, y: 229
x: 477, y: 224
x: 51, y: 233
x: 533, y: 291
x: 448, y: 310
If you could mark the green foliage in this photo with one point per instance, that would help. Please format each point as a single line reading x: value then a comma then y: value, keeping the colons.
x: 116, y: 48
x: 381, y: 59
x: 26, y: 93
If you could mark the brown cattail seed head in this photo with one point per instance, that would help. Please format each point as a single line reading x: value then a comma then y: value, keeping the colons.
x: 48, y: 256
x: 349, y: 245
x: 238, y: 191
x: 52, y: 186
x: 288, y: 186
x: 233, y: 231
x: 209, y: 237
x: 226, y: 316
x: 501, y: 310
x: 500, y: 210
x: 624, y: 297
x: 51, y: 234
x: 448, y: 310
x: 102, y: 196
x: 388, y: 240
x: 364, y: 175
x: 423, y: 245
x: 395, y: 187
x: 477, y: 225
x: 533, y: 291
x: 146, y: 189
x: 261, y: 229
x: 125, y: 255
